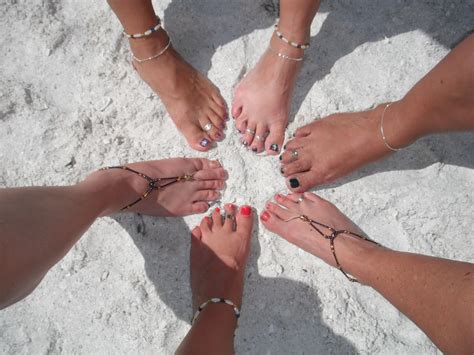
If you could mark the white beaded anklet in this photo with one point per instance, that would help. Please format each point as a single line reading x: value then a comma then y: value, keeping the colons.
x: 146, y: 33
x: 216, y: 300
x: 287, y: 41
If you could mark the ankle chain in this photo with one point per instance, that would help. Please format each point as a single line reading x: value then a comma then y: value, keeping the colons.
x: 284, y: 56
x: 155, y: 56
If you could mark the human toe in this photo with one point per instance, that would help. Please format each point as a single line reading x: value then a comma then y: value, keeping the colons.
x: 206, y: 195
x: 229, y: 216
x: 258, y: 143
x: 244, y: 221
x: 199, y: 207
x: 211, y: 174
x: 298, y: 166
x: 274, y: 140
x: 248, y: 135
x: 301, y: 182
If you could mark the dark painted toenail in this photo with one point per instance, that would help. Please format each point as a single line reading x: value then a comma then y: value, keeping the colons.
x: 254, y: 150
x: 281, y: 171
x: 280, y: 157
x: 294, y: 183
x: 245, y: 143
x: 204, y: 142
x: 274, y: 147
x: 284, y: 147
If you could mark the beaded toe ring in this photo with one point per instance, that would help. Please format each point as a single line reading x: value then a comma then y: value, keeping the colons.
x: 334, y: 234
x: 153, y: 184
x: 216, y: 300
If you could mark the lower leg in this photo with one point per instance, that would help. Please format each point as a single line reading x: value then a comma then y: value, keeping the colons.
x: 442, y: 101
x: 193, y: 102
x: 263, y: 98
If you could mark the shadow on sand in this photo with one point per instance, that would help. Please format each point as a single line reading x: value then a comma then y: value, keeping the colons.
x: 294, y: 324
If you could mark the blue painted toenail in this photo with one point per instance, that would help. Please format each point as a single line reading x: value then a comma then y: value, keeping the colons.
x: 204, y: 142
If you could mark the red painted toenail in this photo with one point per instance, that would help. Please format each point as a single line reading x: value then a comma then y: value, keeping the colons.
x: 246, y: 210
x: 265, y: 216
x: 230, y: 205
x: 218, y: 210
x: 269, y: 206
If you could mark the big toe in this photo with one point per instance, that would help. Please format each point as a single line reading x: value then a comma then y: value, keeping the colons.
x: 244, y: 221
x: 197, y: 139
x: 302, y: 182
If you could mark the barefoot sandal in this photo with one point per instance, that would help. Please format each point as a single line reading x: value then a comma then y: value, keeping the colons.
x: 334, y: 234
x: 153, y: 184
x: 216, y: 300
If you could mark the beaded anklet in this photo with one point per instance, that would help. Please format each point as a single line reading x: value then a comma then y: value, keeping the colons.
x: 334, y: 234
x: 216, y: 300
x: 152, y: 183
x: 287, y: 41
x: 146, y: 33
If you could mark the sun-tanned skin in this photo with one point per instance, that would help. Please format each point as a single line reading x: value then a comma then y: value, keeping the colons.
x: 262, y: 99
x: 39, y: 225
x: 219, y: 254
x: 335, y: 146
x: 191, y: 99
x: 434, y: 293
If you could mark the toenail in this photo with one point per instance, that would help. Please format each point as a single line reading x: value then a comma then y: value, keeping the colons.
x: 245, y: 210
x: 294, y: 183
x: 274, y: 147
x: 204, y: 142
x: 265, y: 216
x: 281, y: 171
x: 284, y: 147
x: 218, y: 136
x: 280, y: 157
x: 254, y: 149
x: 218, y: 210
x: 230, y: 206
x: 245, y: 143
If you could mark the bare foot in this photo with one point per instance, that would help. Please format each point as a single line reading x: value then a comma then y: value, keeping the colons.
x: 191, y: 99
x: 179, y: 199
x: 337, y: 145
x: 262, y: 99
x: 301, y: 234
x: 219, y: 250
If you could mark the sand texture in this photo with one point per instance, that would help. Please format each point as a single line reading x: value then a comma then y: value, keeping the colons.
x: 70, y: 102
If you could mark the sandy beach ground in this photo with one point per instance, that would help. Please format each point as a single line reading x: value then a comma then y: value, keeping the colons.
x: 70, y: 102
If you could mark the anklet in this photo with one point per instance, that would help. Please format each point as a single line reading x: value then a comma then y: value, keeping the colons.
x: 146, y: 33
x: 287, y: 41
x: 382, y: 132
x: 153, y: 56
x: 334, y: 234
x: 153, y: 184
x: 284, y: 56
x: 216, y: 300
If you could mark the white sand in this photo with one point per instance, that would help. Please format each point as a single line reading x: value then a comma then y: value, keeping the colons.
x: 70, y: 102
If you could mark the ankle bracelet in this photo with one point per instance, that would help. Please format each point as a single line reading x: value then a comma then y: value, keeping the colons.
x: 216, y: 300
x: 284, y: 56
x: 138, y: 60
x: 382, y: 132
x: 287, y: 41
x: 146, y: 33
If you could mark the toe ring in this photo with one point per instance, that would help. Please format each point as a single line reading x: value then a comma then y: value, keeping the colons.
x: 300, y: 199
x: 261, y: 137
x: 251, y: 131
x: 207, y: 127
x: 294, y: 154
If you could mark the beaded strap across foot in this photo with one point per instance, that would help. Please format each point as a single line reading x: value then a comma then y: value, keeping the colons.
x: 153, y: 184
x: 334, y: 234
x: 216, y: 300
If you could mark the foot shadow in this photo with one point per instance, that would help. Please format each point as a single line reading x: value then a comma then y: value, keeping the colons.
x: 292, y: 324
x: 446, y: 149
